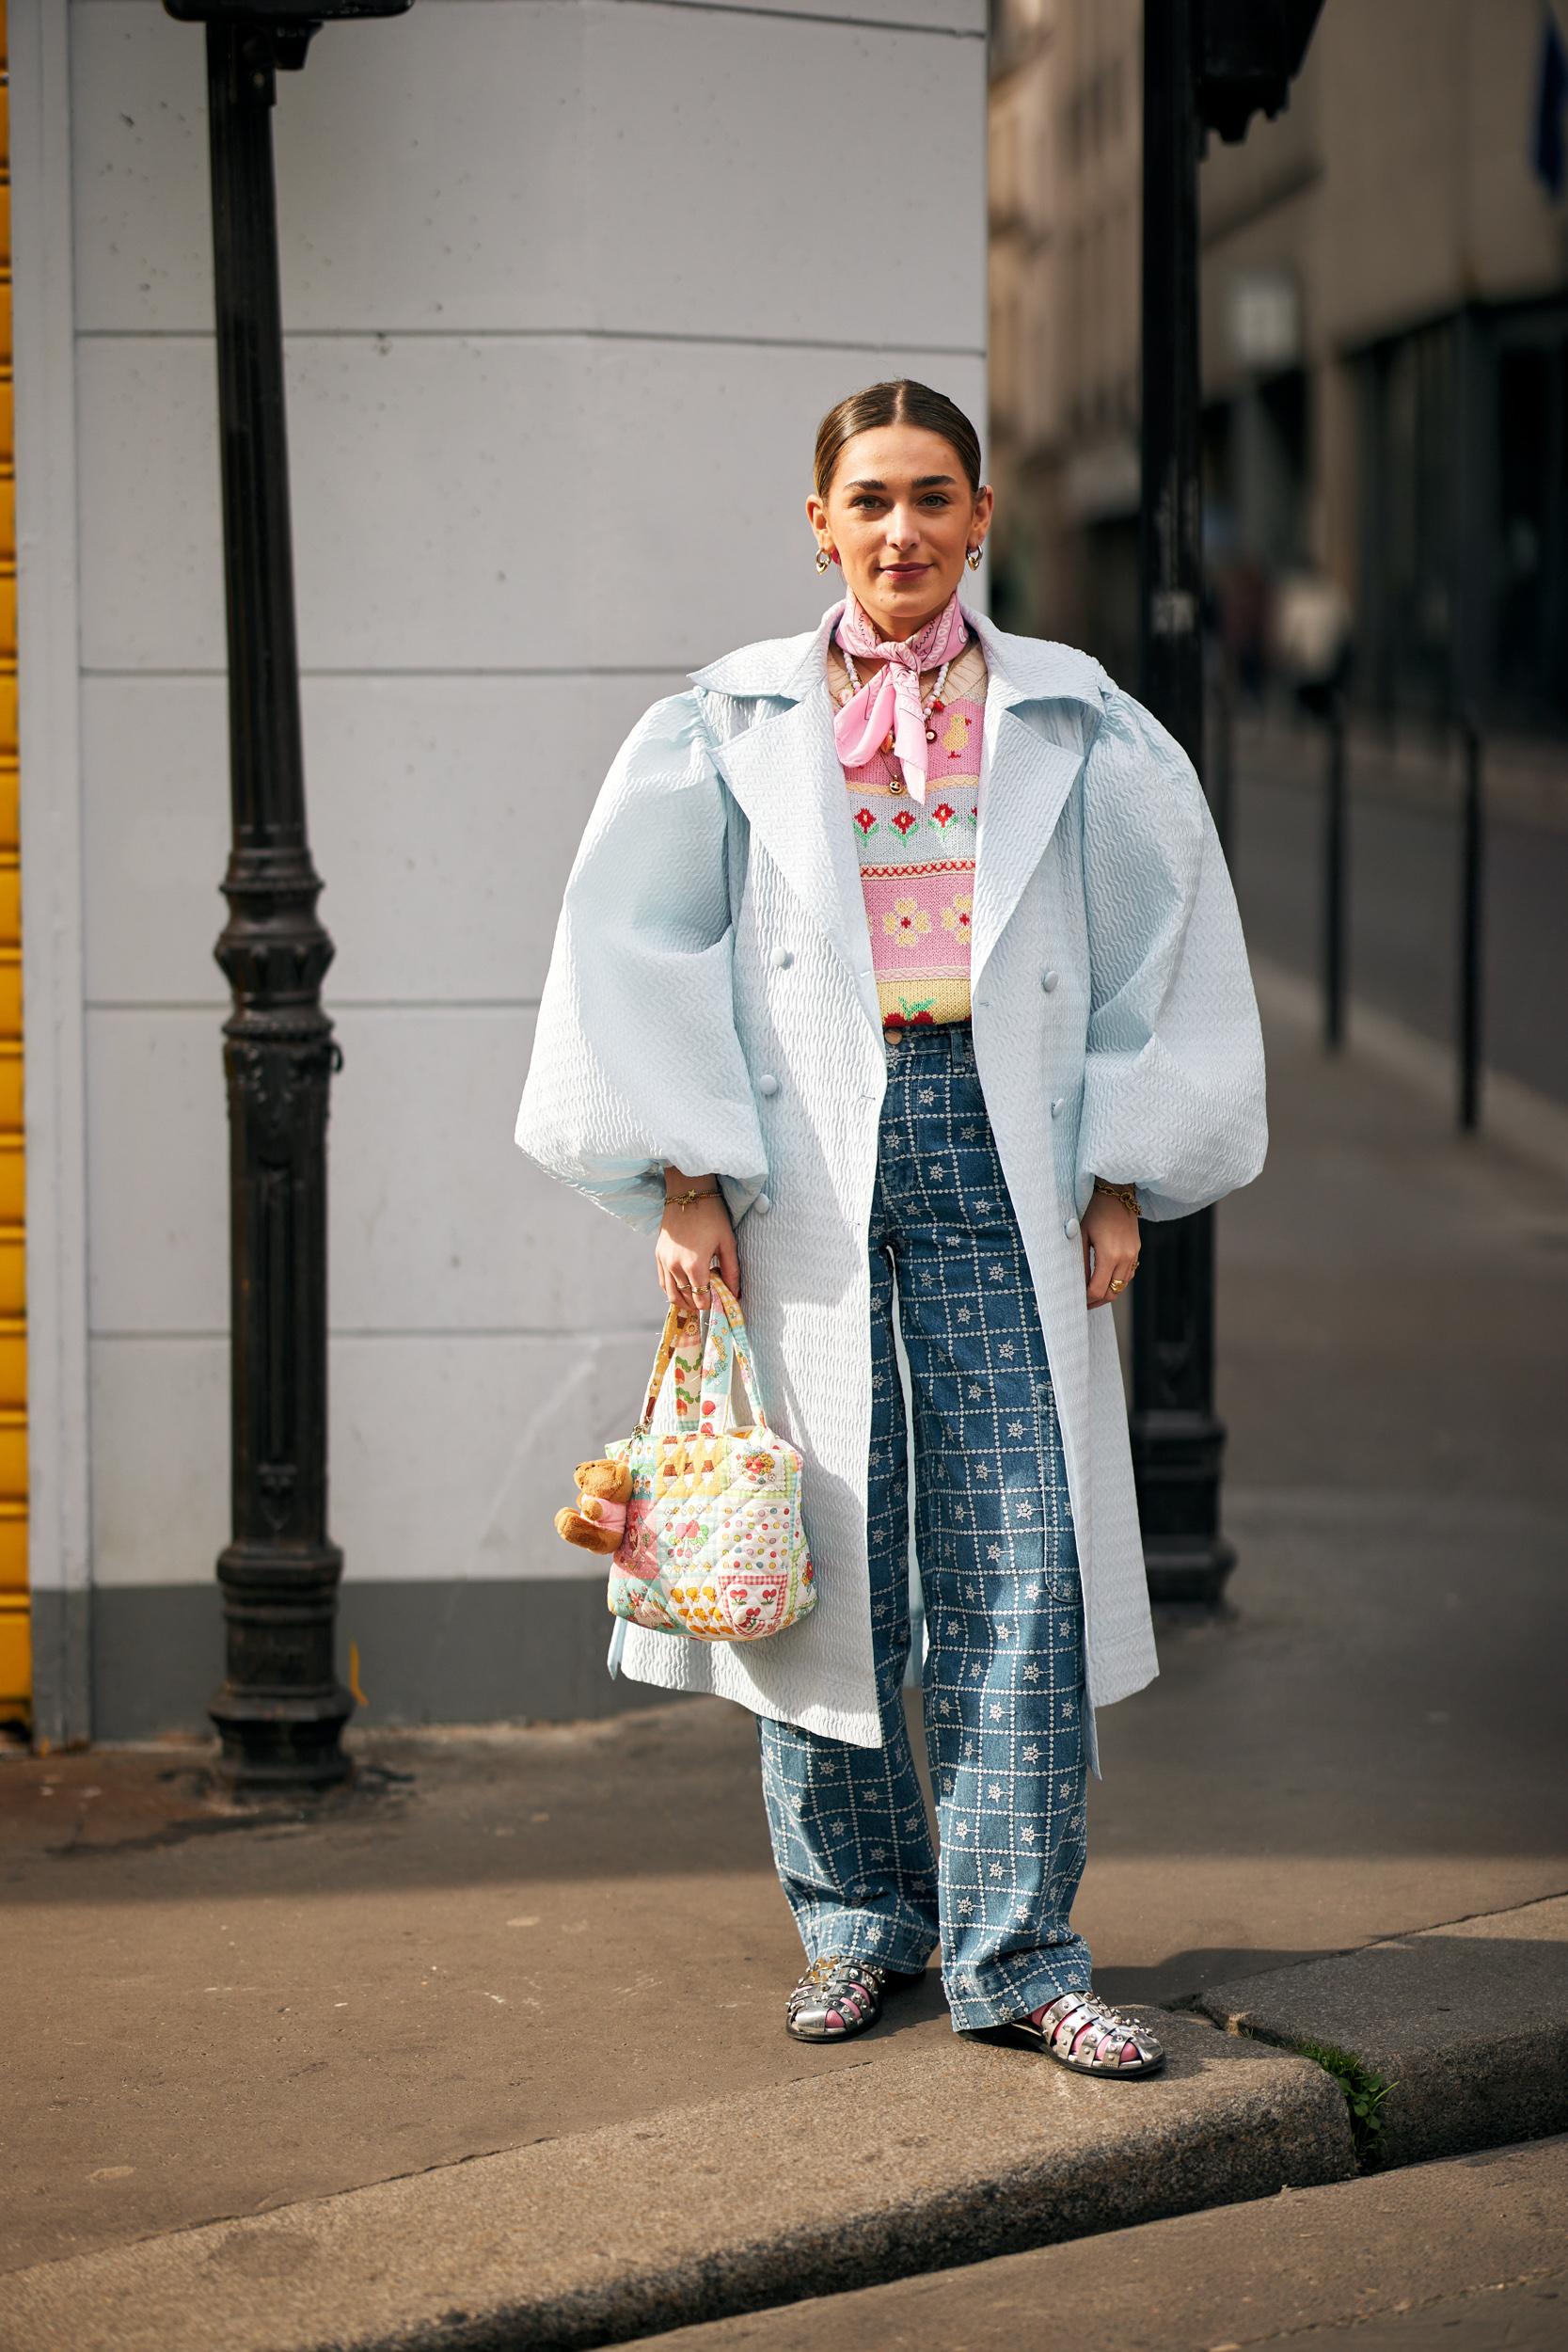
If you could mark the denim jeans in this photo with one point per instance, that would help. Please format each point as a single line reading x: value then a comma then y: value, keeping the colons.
x: 1004, y: 1668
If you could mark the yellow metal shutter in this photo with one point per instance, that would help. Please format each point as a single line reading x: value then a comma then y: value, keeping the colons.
x: 16, y: 1670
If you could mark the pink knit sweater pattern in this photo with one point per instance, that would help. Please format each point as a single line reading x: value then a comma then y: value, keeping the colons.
x: 917, y: 864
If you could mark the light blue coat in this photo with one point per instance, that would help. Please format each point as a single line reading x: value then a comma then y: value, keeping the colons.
x: 710, y: 1004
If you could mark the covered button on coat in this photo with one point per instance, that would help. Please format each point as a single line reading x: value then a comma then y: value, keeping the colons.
x: 714, y: 934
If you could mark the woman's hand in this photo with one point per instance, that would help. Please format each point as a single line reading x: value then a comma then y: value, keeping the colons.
x: 1111, y: 1232
x: 694, y: 1241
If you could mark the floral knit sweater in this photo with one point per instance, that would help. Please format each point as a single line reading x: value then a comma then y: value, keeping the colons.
x: 917, y: 864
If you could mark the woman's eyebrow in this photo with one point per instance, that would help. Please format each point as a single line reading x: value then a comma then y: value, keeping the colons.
x: 924, y: 482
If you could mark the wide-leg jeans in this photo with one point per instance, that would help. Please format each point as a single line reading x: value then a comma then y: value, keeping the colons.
x: 1004, y: 1667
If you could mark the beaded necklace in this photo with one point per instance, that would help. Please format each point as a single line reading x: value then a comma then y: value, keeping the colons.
x: 932, y: 707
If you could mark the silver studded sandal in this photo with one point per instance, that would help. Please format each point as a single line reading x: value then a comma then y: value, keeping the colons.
x: 835, y: 1997
x: 1082, y: 2031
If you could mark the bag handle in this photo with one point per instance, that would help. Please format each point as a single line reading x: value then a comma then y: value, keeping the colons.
x: 677, y: 1326
x: 726, y: 1330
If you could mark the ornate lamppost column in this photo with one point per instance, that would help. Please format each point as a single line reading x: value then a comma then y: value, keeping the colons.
x: 281, y: 1709
x: 1207, y: 64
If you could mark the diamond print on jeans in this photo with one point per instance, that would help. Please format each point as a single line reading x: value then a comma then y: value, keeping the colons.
x: 992, y: 1704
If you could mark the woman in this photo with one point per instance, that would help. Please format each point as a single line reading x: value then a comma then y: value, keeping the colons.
x: 899, y: 971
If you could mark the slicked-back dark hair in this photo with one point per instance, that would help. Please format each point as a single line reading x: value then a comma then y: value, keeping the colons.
x: 903, y: 402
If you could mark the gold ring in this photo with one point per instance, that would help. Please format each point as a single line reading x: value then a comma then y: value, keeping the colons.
x: 1118, y: 1286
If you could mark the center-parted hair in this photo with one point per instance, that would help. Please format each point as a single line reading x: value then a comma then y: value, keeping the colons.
x: 903, y: 402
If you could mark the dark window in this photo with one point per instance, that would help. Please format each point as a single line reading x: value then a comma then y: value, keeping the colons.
x: 1531, y: 554
x: 1407, y: 606
x: 1467, y: 527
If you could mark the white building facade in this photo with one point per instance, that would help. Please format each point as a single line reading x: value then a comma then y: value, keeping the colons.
x: 566, y: 285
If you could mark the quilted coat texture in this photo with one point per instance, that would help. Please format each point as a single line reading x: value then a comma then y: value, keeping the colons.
x: 713, y: 938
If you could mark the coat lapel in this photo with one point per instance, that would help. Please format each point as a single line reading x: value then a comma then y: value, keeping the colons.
x: 786, y: 775
x: 784, y: 772
x: 1027, y: 768
x: 1023, y: 783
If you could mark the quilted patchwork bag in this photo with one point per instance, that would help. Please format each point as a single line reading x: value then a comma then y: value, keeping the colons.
x: 714, y: 1547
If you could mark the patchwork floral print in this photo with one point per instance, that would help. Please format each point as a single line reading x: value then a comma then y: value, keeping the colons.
x: 1004, y: 1667
x: 714, y: 1547
x: 917, y: 864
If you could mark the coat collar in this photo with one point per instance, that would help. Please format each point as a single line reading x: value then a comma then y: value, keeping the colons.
x: 1022, y: 669
x: 785, y: 772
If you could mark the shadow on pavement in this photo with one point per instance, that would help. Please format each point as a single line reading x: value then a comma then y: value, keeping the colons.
x: 1175, y: 1981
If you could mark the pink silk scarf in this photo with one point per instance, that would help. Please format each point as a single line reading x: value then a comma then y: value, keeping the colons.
x: 889, y: 703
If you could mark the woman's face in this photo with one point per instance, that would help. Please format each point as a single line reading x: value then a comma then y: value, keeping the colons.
x: 900, y: 518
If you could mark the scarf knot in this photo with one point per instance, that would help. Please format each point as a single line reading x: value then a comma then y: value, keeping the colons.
x: 889, y: 703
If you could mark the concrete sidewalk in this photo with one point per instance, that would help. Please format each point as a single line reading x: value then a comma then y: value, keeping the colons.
x: 901, y: 2166
x: 912, y: 2163
x: 499, y: 1944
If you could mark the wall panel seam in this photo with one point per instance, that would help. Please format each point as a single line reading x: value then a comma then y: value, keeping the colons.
x: 654, y: 670
x: 204, y: 1006
x: 821, y: 16
x: 119, y: 1336
x: 545, y: 334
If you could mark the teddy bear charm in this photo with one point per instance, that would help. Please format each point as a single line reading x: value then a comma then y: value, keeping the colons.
x: 599, y: 1521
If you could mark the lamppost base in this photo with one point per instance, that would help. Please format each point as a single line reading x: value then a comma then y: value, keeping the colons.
x: 284, y: 1740
x: 281, y: 1709
x: 1177, y: 1454
x: 1188, y: 1569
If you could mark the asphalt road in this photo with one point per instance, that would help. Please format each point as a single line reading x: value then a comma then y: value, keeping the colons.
x: 1467, y: 2256
x: 1403, y: 900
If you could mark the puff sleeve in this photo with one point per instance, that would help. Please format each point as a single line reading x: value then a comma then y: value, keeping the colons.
x: 636, y: 1062
x: 1173, y: 1094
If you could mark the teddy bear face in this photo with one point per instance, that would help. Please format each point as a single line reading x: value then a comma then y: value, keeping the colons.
x: 609, y: 1481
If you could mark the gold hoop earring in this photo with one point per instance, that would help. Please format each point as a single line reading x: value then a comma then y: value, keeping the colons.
x: 973, y: 559
x: 822, y: 561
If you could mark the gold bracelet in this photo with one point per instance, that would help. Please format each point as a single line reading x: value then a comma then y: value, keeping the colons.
x: 1126, y: 1194
x: 684, y: 1200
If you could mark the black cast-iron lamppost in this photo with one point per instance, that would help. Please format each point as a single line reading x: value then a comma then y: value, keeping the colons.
x: 281, y: 1709
x: 1208, y: 65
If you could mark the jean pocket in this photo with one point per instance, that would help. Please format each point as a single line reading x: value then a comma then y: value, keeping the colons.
x: 1061, y: 1583
x: 967, y: 1094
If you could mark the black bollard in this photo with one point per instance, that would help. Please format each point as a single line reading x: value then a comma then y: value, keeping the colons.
x: 1336, y: 859
x: 1471, y: 854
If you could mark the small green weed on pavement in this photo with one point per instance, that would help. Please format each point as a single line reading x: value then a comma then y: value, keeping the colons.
x: 1364, y: 2094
